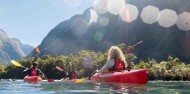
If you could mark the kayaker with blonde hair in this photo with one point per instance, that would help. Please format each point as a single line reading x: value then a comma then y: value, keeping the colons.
x: 115, y: 62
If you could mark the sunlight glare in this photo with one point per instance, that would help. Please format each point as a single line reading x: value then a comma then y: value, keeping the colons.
x: 167, y: 18
x: 98, y: 35
x: 104, y: 21
x: 79, y: 27
x: 186, y: 44
x: 183, y: 21
x: 100, y: 6
x: 150, y: 14
x: 115, y: 6
x: 87, y: 62
x: 93, y: 16
x: 129, y: 13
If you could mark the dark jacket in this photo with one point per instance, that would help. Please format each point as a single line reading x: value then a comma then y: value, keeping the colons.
x: 73, y: 75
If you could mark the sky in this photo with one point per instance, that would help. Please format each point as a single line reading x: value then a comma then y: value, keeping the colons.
x: 31, y: 20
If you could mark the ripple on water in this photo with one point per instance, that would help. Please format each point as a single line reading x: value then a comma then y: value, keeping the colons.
x: 59, y: 87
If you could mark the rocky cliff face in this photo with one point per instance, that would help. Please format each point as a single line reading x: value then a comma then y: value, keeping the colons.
x: 97, y: 31
x: 27, y: 49
x: 11, y: 49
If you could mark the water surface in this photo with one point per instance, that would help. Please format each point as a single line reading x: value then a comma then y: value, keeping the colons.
x: 59, y: 87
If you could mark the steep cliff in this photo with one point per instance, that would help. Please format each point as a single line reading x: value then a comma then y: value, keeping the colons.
x: 98, y: 31
x: 11, y: 48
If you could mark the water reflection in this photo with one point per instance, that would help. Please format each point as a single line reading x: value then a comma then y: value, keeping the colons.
x: 121, y: 88
x: 62, y: 87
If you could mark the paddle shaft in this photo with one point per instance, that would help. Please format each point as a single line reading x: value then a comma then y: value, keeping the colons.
x: 91, y: 75
x: 24, y: 67
x: 133, y: 46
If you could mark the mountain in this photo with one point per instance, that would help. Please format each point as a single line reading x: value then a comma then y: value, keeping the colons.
x: 98, y: 31
x: 11, y: 49
x: 27, y: 49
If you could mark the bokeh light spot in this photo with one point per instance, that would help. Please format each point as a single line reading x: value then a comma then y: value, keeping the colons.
x: 115, y: 6
x: 129, y: 13
x: 87, y: 62
x: 167, y: 18
x: 100, y: 6
x: 183, y: 22
x: 104, y: 21
x: 150, y: 14
x: 98, y: 34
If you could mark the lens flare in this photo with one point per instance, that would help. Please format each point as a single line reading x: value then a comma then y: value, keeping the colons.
x: 183, y: 22
x: 125, y: 16
x: 104, y: 21
x: 167, y: 18
x: 129, y: 13
x: 79, y: 27
x: 186, y: 43
x: 100, y: 6
x: 93, y: 16
x: 87, y: 62
x: 98, y: 35
x: 150, y: 14
x: 115, y: 6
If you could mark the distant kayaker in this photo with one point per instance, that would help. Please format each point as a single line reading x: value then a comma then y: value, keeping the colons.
x: 115, y: 62
x: 73, y: 74
x: 34, y: 71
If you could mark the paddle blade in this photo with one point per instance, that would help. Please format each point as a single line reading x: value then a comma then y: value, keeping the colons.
x: 129, y: 49
x: 132, y: 47
x: 16, y: 63
x: 37, y: 50
x: 51, y: 80
x: 58, y: 68
x: 80, y: 80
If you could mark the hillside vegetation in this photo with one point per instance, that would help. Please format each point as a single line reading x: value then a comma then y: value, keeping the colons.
x: 86, y: 62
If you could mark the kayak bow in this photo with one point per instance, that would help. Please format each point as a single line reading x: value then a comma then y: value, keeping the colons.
x: 32, y: 79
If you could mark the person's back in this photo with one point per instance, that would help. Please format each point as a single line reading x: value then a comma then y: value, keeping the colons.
x: 116, y: 60
x: 118, y: 66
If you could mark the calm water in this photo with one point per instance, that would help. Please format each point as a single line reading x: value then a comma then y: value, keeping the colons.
x: 153, y: 87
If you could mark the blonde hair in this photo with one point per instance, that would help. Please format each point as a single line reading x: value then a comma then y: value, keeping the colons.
x: 115, y: 53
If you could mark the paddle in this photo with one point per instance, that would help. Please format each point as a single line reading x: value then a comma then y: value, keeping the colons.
x: 19, y: 65
x: 132, y: 47
x: 91, y: 75
x: 58, y: 68
x: 75, y: 80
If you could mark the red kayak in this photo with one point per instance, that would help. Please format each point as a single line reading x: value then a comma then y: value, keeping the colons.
x: 133, y: 76
x: 32, y: 79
